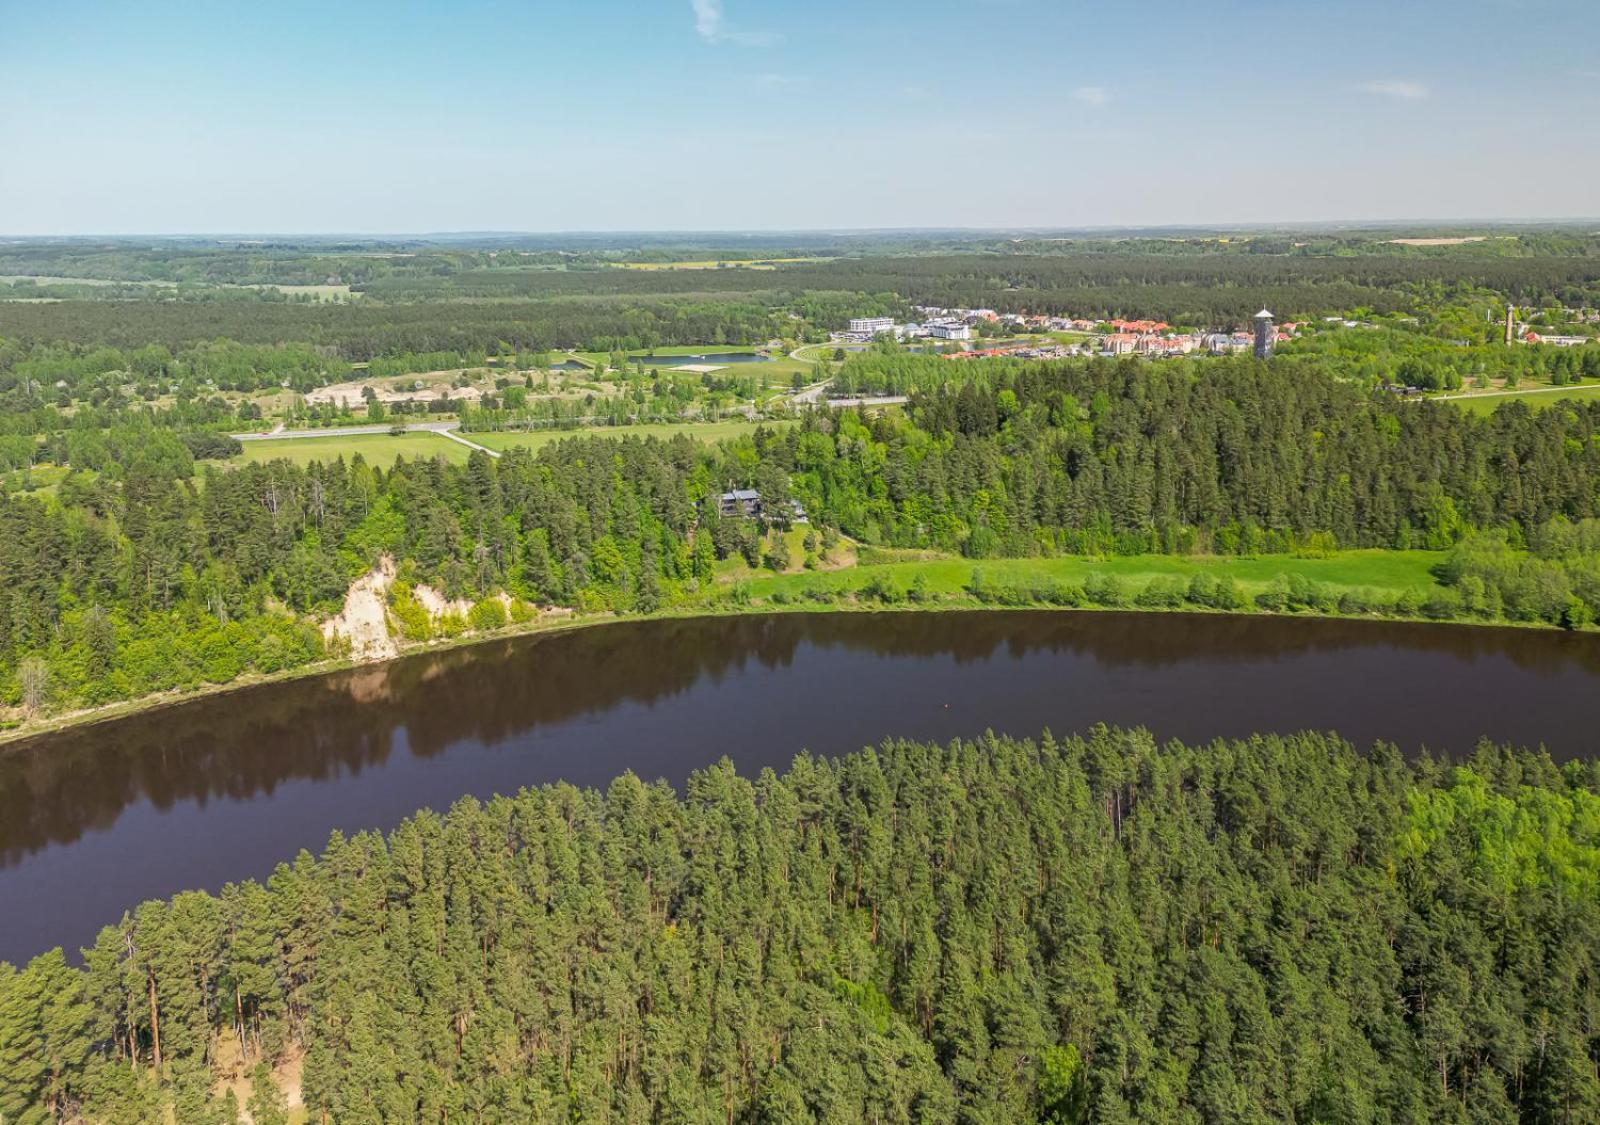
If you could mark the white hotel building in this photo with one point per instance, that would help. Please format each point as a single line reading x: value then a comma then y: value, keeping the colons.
x: 871, y: 325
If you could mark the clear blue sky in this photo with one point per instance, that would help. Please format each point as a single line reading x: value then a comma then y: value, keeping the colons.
x: 397, y: 116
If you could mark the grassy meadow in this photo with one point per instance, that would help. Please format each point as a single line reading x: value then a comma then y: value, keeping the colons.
x: 708, y: 433
x: 1382, y: 572
x: 1536, y: 397
x: 377, y: 449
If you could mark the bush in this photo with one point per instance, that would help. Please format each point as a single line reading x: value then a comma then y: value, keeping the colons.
x: 881, y: 589
x: 1442, y: 605
x: 487, y: 615
x: 1062, y: 594
x: 1576, y: 614
x: 410, y: 617
x: 1161, y: 593
x: 777, y: 556
x: 1105, y: 590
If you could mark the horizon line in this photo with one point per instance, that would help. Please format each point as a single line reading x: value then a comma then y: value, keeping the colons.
x: 838, y: 231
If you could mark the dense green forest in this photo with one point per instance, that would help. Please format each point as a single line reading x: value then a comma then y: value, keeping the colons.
x: 139, y: 576
x: 1201, y: 289
x: 362, y: 331
x: 1092, y: 929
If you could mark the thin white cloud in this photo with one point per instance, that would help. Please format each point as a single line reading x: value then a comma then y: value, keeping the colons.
x: 707, y: 19
x: 710, y: 25
x: 1403, y: 88
x: 1092, y: 95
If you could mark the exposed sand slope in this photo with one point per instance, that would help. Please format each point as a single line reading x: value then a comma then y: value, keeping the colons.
x: 364, y: 621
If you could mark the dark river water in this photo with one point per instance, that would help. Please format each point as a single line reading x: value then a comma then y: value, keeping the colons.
x: 94, y: 820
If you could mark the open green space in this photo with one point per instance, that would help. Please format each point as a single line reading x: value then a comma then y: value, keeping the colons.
x: 37, y: 479
x: 1536, y: 397
x: 1386, y: 572
x: 707, y: 432
x: 379, y: 449
x: 816, y: 353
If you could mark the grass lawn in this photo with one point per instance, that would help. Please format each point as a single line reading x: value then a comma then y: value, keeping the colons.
x: 1535, y: 397
x: 774, y: 372
x: 707, y: 432
x: 1389, y: 572
x: 814, y: 353
x: 711, y: 351
x: 39, y: 480
x: 378, y: 449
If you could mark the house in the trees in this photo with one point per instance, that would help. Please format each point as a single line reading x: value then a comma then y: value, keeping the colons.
x: 746, y: 503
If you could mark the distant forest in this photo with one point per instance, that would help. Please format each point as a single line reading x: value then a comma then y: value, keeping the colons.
x: 1058, y: 931
x: 1198, y: 289
x: 434, y: 300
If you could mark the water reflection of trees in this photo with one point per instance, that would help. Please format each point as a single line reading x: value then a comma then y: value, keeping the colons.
x: 245, y: 743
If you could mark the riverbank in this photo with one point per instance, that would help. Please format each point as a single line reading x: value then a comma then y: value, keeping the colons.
x: 890, y: 581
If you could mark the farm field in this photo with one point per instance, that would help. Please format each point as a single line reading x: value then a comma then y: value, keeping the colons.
x: 706, y: 432
x: 719, y: 263
x: 379, y: 449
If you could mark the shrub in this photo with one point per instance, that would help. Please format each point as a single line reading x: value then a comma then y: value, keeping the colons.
x: 1161, y: 593
x: 410, y: 617
x: 487, y: 614
x: 881, y: 589
x: 1105, y: 589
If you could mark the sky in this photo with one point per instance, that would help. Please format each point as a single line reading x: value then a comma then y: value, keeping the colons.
x: 403, y: 116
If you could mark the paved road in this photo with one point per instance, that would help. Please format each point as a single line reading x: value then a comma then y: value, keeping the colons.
x: 813, y: 393
x: 455, y: 437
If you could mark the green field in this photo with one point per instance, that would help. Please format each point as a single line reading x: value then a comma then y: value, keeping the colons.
x: 823, y: 353
x: 1386, y: 572
x: 378, y: 449
x: 1536, y: 397
x: 775, y: 372
x: 40, y: 480
x: 707, y: 432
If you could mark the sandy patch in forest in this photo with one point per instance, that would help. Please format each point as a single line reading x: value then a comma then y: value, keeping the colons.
x: 437, y: 604
x: 233, y: 1073
x: 364, y: 621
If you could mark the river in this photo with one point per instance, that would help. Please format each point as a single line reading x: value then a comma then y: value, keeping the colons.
x: 95, y: 819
